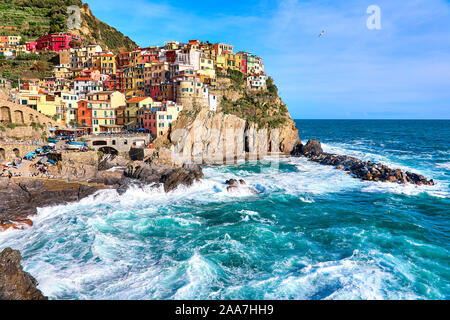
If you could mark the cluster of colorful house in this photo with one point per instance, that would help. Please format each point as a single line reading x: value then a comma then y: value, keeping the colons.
x: 143, y: 89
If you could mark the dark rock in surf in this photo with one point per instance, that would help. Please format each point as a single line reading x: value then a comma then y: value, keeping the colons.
x: 170, y: 177
x: 367, y: 171
x: 234, y: 185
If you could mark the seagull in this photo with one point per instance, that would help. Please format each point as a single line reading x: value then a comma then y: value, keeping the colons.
x: 322, y: 33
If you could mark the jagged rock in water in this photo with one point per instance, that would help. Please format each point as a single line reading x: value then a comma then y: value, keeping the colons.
x: 234, y: 185
x: 366, y: 171
x: 15, y: 284
x: 170, y: 177
x: 313, y: 147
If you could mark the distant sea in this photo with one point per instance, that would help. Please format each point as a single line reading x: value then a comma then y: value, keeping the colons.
x: 313, y: 232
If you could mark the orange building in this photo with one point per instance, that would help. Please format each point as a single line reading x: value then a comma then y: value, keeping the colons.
x: 84, y: 116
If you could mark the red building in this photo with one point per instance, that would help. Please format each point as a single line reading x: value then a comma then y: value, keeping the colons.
x: 171, y: 56
x: 155, y: 92
x: 31, y: 46
x: 147, y: 119
x: 244, y: 56
x: 57, y: 42
x: 123, y: 59
x: 114, y: 82
x: 148, y: 57
x: 85, y: 115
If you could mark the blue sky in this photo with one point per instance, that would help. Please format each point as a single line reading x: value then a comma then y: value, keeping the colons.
x: 399, y: 72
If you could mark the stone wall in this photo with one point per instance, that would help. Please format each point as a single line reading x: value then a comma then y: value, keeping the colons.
x: 83, y: 158
x: 9, y: 152
x: 23, y: 132
x: 11, y: 112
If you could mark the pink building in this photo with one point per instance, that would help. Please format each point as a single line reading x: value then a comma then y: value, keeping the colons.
x: 57, y: 41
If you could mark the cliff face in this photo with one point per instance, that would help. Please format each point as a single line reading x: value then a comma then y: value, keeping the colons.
x: 215, y: 137
x: 246, y: 125
x: 15, y: 284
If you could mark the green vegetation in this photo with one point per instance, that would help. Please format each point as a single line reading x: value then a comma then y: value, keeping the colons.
x: 262, y: 111
x: 237, y: 78
x: 271, y: 87
x: 34, y: 18
x: 2, y: 128
x: 27, y: 66
x: 15, y: 125
x: 37, y: 126
x: 105, y: 34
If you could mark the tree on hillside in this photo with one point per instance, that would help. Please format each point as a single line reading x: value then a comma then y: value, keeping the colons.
x: 271, y: 87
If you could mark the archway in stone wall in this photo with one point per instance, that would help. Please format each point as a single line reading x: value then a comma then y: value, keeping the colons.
x: 16, y: 152
x: 5, y: 114
x: 18, y: 117
x: 2, y: 154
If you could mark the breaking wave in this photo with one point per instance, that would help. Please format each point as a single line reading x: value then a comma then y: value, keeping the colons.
x: 311, y: 232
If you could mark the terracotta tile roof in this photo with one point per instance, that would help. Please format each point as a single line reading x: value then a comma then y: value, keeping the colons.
x: 83, y: 79
x: 136, y: 99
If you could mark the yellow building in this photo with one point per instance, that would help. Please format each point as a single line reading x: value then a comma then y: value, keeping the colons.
x: 131, y: 111
x: 134, y: 80
x: 233, y: 61
x: 61, y: 72
x: 221, y: 62
x: 186, y: 88
x: 165, y: 118
x: 106, y: 63
x: 171, y: 45
x: 49, y: 105
x: 14, y: 40
x: 104, y: 105
x: 206, y: 66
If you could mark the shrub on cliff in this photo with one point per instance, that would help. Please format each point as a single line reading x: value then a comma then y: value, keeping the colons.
x: 271, y: 87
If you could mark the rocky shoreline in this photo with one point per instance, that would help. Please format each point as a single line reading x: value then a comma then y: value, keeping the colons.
x: 20, y: 197
x: 16, y: 284
x: 366, y: 171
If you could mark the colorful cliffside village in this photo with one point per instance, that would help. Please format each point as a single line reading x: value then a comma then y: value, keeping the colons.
x: 141, y: 90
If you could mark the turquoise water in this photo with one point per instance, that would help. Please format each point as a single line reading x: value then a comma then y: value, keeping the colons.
x: 313, y: 232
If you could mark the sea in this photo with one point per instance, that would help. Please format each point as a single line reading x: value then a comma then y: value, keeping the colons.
x: 311, y: 231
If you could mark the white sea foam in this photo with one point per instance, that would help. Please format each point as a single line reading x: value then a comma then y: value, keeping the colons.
x: 118, y: 246
x: 444, y: 165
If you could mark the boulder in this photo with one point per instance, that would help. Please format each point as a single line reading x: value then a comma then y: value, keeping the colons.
x: 312, y: 148
x: 170, y: 177
x: 15, y: 284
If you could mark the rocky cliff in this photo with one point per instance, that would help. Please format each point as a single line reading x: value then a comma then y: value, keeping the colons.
x: 246, y: 125
x: 15, y: 284
x: 95, y: 31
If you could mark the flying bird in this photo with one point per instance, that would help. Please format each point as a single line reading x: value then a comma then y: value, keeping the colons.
x: 322, y: 33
